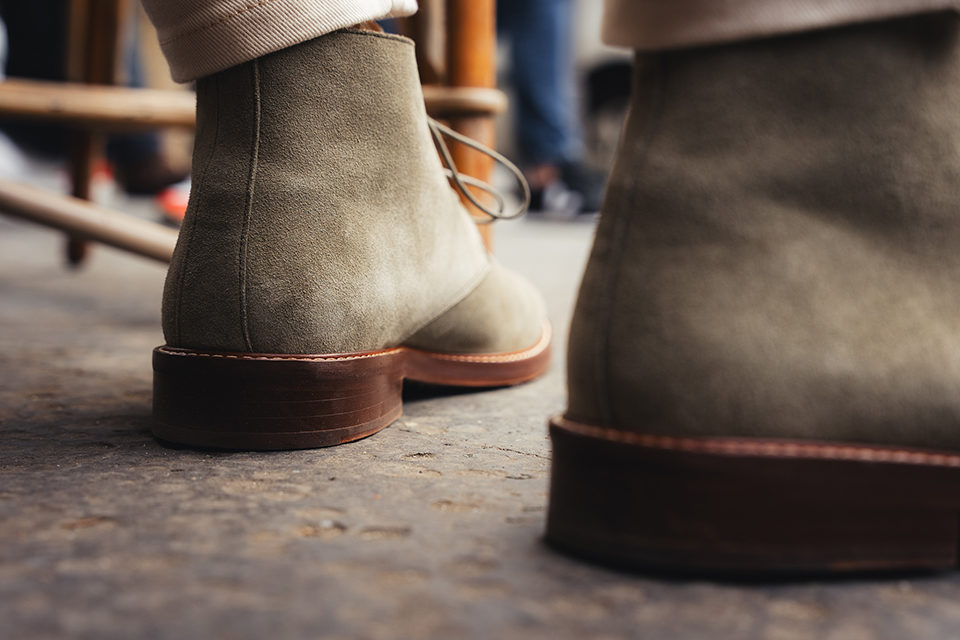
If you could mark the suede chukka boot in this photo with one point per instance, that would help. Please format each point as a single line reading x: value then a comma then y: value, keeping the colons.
x: 324, y: 258
x: 764, y: 368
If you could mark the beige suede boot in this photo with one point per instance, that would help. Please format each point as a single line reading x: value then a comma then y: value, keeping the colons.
x: 764, y: 368
x: 324, y: 258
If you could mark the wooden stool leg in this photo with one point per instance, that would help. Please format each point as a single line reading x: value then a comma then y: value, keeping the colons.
x: 84, y: 151
x: 471, y: 62
x: 94, y: 50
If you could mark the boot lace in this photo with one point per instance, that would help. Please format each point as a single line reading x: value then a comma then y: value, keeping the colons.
x: 462, y: 181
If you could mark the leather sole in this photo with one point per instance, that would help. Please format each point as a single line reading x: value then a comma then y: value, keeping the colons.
x: 745, y: 506
x: 251, y: 401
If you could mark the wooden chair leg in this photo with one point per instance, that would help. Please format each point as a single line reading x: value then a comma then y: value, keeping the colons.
x: 83, y: 219
x: 471, y: 62
x: 84, y: 152
x: 94, y: 50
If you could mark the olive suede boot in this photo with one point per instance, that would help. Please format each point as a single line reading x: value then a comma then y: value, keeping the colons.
x: 324, y: 258
x: 764, y: 365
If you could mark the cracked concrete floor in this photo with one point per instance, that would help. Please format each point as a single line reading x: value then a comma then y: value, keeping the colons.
x: 430, y: 529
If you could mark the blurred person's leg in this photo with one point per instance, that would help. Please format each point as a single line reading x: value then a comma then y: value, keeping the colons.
x: 324, y: 256
x: 764, y: 362
x: 138, y: 162
x: 541, y: 67
x: 548, y: 130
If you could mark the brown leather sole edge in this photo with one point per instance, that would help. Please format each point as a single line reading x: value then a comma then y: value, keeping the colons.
x: 750, y: 506
x: 247, y: 401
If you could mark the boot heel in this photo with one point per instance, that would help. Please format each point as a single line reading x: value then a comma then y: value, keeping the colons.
x: 713, y: 505
x: 262, y: 401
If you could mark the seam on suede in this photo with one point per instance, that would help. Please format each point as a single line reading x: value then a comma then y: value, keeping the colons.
x: 604, y: 390
x: 188, y: 233
x: 541, y: 345
x: 458, y: 297
x: 376, y: 34
x: 248, y: 209
x: 762, y: 448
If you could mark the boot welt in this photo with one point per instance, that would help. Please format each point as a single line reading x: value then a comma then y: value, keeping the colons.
x: 743, y: 506
x: 248, y: 401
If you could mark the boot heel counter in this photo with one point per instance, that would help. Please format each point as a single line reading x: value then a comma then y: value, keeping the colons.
x: 201, y: 303
x: 589, y: 351
x: 586, y: 348
x: 591, y: 395
x: 201, y: 300
x: 169, y: 305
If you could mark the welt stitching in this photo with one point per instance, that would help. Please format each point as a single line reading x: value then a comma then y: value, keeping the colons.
x: 248, y: 212
x: 291, y: 358
x: 765, y: 448
x: 221, y: 20
x: 541, y: 346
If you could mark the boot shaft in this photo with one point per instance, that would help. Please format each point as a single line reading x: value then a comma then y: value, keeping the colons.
x: 319, y: 220
x: 777, y: 251
x: 857, y: 125
x: 764, y: 368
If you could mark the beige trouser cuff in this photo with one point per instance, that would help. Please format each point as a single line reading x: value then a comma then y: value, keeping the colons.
x: 666, y: 24
x: 200, y: 37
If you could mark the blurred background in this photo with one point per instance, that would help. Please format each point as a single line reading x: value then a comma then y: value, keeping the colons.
x: 567, y: 96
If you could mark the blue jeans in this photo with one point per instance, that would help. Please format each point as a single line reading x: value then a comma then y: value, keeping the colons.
x: 540, y: 38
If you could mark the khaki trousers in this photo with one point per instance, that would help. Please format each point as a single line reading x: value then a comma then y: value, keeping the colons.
x: 200, y: 37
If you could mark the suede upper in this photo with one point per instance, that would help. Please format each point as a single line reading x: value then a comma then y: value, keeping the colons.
x: 320, y: 220
x: 498, y: 316
x: 779, y: 251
